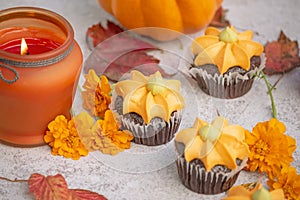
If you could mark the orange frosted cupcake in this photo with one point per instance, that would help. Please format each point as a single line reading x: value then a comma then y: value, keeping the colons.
x: 210, y: 156
x: 150, y: 107
x: 225, y: 62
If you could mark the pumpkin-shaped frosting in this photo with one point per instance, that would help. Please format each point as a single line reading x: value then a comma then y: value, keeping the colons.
x: 258, y: 193
x: 150, y: 96
x: 214, y: 144
x: 225, y: 49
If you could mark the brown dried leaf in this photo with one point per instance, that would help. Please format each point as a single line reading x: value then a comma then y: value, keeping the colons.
x: 219, y: 19
x: 282, y: 55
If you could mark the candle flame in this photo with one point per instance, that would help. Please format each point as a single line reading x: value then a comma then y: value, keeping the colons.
x: 24, y: 47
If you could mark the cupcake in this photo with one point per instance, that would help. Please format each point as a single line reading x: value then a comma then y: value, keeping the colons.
x: 210, y: 156
x: 150, y: 107
x: 256, y: 193
x: 226, y: 61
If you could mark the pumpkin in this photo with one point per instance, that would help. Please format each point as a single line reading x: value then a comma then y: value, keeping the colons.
x: 182, y: 16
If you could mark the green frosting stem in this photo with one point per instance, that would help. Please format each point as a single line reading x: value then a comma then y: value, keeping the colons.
x: 261, y: 194
x: 156, y: 85
x: 209, y: 132
x: 228, y: 35
x: 212, y: 132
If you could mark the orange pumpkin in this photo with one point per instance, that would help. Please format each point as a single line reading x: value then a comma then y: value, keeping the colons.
x: 185, y: 16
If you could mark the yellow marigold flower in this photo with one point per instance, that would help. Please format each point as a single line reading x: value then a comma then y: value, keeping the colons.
x: 270, y: 148
x: 63, y: 137
x: 289, y: 181
x: 87, y: 131
x: 105, y: 136
x: 96, y: 95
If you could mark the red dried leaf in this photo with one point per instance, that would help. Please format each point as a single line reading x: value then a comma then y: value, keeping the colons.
x: 86, y: 195
x: 50, y: 187
x: 219, y: 19
x: 282, y: 55
x: 99, y: 34
x: 56, y: 188
x: 120, y: 53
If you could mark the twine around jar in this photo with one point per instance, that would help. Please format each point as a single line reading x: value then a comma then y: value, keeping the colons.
x: 10, y: 64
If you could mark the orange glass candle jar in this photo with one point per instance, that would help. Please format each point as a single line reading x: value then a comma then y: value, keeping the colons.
x: 35, y: 88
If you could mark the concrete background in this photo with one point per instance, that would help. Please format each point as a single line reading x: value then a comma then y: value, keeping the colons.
x: 150, y: 173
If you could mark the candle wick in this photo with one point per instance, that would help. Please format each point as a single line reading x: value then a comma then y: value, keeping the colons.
x: 24, y: 47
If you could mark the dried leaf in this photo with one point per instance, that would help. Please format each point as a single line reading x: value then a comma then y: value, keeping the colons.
x: 98, y: 33
x: 219, y: 19
x: 50, y: 187
x: 86, y: 195
x: 120, y: 53
x: 282, y: 55
x: 56, y: 188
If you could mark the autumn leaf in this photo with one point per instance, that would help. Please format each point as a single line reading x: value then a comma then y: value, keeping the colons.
x: 119, y: 52
x: 282, y: 55
x: 56, y: 188
x: 85, y: 195
x: 98, y: 33
x: 50, y: 187
x: 219, y: 19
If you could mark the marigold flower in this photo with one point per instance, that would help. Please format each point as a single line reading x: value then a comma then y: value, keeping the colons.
x: 87, y: 130
x: 270, y: 148
x: 63, y: 137
x: 289, y: 181
x: 104, y: 135
x: 96, y: 95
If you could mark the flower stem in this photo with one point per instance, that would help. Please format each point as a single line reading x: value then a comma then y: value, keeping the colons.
x: 79, y: 88
x: 270, y: 88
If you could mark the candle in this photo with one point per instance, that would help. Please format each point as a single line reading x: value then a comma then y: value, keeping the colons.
x: 35, y: 45
x: 35, y: 88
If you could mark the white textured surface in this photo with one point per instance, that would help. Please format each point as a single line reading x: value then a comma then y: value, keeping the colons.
x: 104, y: 174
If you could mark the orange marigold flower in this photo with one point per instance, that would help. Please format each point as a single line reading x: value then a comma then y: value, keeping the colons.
x: 289, y: 181
x: 105, y: 136
x: 270, y: 148
x: 96, y: 95
x: 63, y: 137
x: 110, y: 128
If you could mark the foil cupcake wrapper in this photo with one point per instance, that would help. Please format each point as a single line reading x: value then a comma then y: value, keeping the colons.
x: 226, y: 86
x: 156, y: 132
x: 197, y: 179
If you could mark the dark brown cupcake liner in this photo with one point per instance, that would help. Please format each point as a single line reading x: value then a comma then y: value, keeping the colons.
x: 196, y: 178
x: 157, y: 132
x: 226, y: 86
